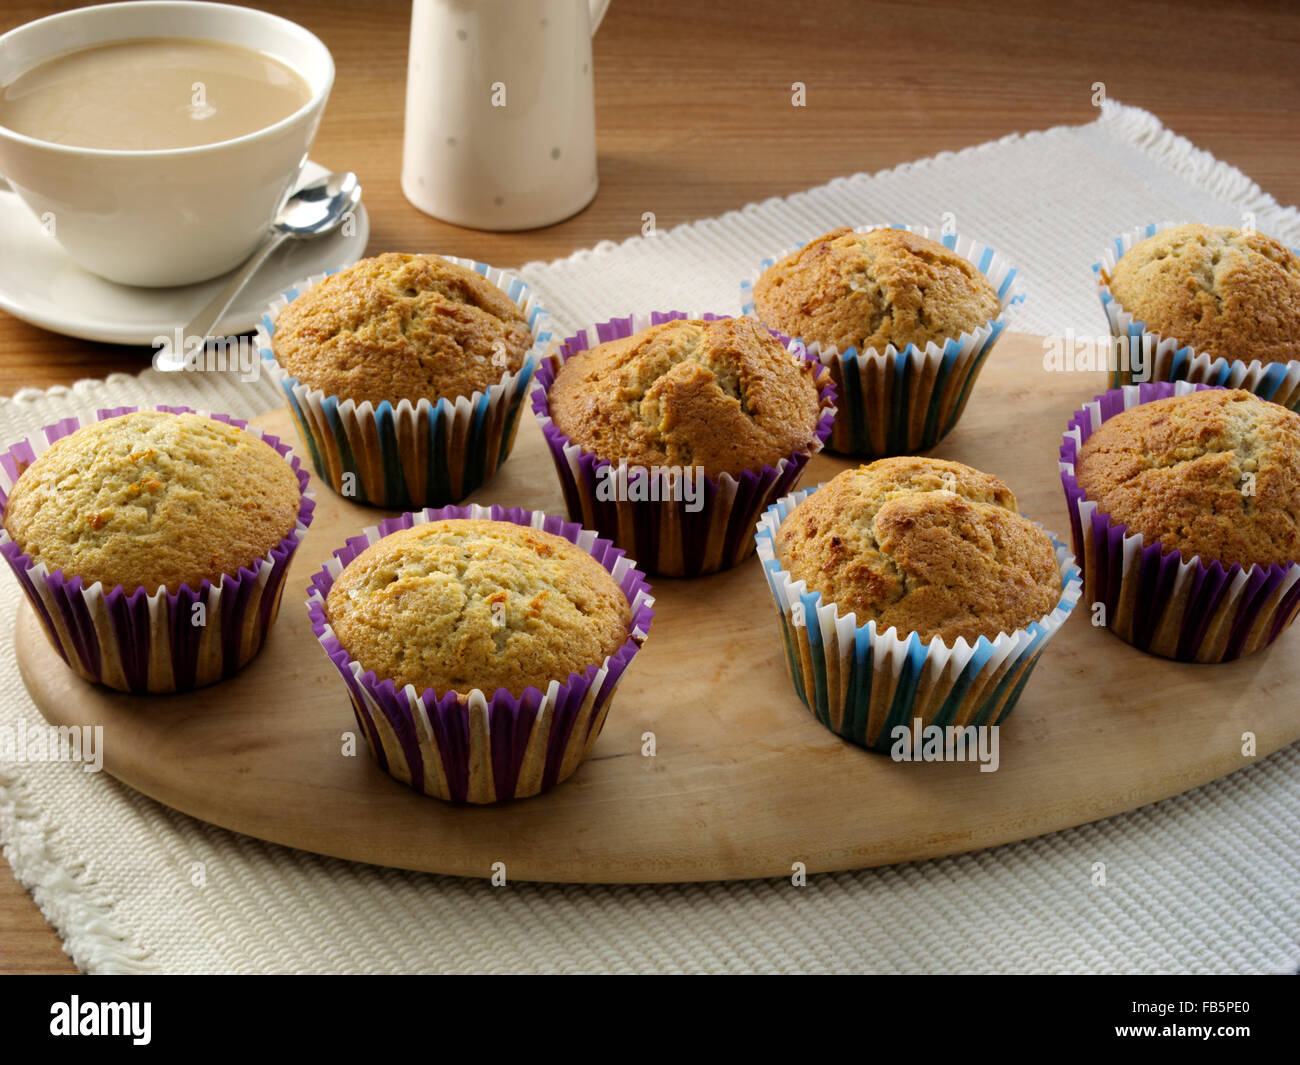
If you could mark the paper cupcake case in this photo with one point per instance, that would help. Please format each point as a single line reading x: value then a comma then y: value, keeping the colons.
x: 483, y: 747
x: 1193, y: 609
x: 404, y: 455
x: 895, y: 402
x: 667, y: 537
x: 149, y: 643
x: 1166, y: 358
x: 862, y: 683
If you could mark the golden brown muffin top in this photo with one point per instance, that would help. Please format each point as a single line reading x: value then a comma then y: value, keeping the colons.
x: 868, y: 290
x: 1229, y: 293
x: 723, y: 395
x: 467, y: 603
x: 401, y: 327
x: 152, y: 499
x: 1175, y: 470
x: 922, y: 545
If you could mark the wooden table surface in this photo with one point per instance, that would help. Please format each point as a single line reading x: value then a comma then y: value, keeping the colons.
x: 694, y: 118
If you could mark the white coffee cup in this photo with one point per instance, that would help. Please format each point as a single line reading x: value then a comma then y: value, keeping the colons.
x: 500, y: 114
x: 173, y: 216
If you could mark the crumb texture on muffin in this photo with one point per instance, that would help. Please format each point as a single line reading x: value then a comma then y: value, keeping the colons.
x: 152, y: 499
x: 1213, y: 473
x: 723, y: 395
x: 400, y: 327
x: 460, y: 604
x: 1229, y: 293
x: 922, y: 545
x: 869, y: 290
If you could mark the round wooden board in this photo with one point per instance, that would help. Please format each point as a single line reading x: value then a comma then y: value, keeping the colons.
x: 744, y: 782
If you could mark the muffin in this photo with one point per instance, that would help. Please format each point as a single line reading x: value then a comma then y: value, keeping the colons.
x: 724, y: 395
x: 870, y: 290
x: 481, y: 647
x: 151, y: 500
x: 1214, y: 473
x: 671, y: 434
x: 461, y: 604
x: 1229, y: 293
x: 405, y: 374
x: 1212, y: 304
x: 902, y: 321
x: 1175, y: 494
x: 163, y: 532
x: 922, y: 546
x: 400, y: 327
x: 924, y: 570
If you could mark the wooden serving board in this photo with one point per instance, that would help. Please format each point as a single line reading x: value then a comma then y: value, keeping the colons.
x: 744, y: 782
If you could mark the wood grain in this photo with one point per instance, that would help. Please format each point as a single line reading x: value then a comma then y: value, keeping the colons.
x: 694, y: 115
x: 27, y: 943
x: 745, y: 782
x: 691, y: 129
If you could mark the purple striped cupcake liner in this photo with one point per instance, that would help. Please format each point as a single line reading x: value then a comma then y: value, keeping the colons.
x: 895, y: 402
x: 864, y: 683
x: 1189, y: 609
x: 407, y: 455
x: 143, y: 643
x: 648, y: 516
x: 1139, y: 354
x: 476, y: 746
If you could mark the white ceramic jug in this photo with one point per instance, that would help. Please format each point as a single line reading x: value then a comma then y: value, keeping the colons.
x: 500, y: 117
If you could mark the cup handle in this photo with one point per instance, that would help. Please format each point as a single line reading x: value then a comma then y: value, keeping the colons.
x: 597, y: 9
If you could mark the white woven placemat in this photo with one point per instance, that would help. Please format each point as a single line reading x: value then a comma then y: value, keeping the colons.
x: 1205, y: 882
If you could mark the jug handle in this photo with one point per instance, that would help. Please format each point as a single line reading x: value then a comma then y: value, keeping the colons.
x: 597, y: 9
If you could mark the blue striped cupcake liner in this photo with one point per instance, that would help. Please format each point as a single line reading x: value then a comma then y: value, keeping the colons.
x: 477, y: 746
x: 659, y: 529
x: 862, y: 683
x: 144, y: 643
x: 1189, y: 609
x: 404, y: 456
x: 1168, y: 359
x: 895, y: 402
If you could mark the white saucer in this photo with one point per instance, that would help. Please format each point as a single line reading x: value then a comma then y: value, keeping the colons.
x: 41, y: 285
